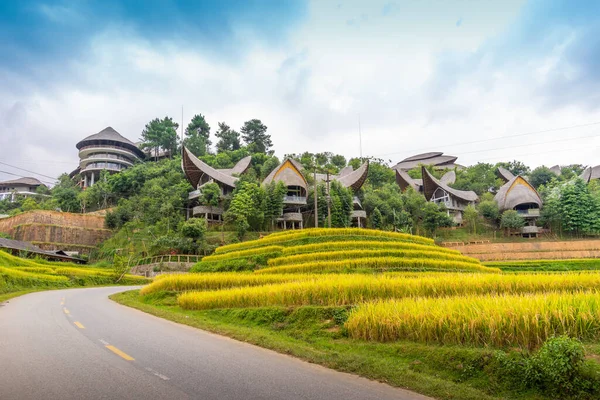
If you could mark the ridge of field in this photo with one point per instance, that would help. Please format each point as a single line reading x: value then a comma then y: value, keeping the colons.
x: 524, y: 320
x: 585, y: 264
x: 345, y: 290
x: 21, y: 274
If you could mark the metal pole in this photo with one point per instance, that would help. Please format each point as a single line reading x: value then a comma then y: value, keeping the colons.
x: 328, y: 203
x: 316, y: 206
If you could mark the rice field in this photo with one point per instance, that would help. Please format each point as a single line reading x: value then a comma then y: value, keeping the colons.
x: 522, y: 320
x: 336, y: 290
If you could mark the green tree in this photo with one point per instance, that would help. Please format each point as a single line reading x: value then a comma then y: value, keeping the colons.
x: 247, y: 207
x: 489, y: 210
x: 480, y: 178
x: 228, y: 138
x: 471, y: 217
x: 577, y: 208
x: 377, y: 219
x: 194, y: 229
x: 434, y: 217
x: 254, y: 133
x: 341, y: 205
x: 29, y: 204
x: 515, y: 167
x: 197, y: 135
x: 274, y: 191
x: 211, y: 195
x: 160, y: 134
x: 541, y: 176
x: 511, y: 220
x: 66, y: 192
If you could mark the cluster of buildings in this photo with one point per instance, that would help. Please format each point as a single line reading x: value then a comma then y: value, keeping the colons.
x: 109, y: 150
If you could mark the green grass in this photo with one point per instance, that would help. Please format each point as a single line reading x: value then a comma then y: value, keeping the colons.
x: 588, y: 264
x: 316, y: 334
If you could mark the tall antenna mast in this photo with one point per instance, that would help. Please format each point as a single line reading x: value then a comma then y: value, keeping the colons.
x: 360, y: 137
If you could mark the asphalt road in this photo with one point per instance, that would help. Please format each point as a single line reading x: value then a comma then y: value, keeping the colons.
x: 78, y: 344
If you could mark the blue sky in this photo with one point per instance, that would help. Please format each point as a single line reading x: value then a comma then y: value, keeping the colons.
x: 422, y: 75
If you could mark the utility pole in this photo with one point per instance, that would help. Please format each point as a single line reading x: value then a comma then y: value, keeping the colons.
x: 328, y: 203
x: 316, y: 206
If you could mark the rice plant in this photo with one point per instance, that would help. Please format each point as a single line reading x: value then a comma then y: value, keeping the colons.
x: 363, y: 244
x: 351, y: 289
x: 363, y: 253
x: 525, y: 320
x: 381, y: 264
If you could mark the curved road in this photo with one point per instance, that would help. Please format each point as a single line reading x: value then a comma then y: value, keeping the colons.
x: 78, y: 344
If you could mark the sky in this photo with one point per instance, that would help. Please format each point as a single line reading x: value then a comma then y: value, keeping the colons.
x: 486, y: 81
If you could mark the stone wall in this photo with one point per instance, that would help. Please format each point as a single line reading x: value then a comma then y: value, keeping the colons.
x: 53, y: 230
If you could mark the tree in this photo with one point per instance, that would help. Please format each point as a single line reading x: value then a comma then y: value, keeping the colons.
x: 480, y: 178
x: 211, y: 195
x: 489, y: 210
x: 197, y: 136
x: 254, y: 133
x: 228, y: 138
x: 160, y: 134
x: 471, y: 217
x: 66, y: 192
x: 341, y: 205
x: 577, y: 208
x: 377, y: 219
x: 511, y: 220
x: 195, y: 229
x: 515, y: 167
x: 435, y: 217
x: 274, y: 191
x: 247, y: 206
x: 541, y: 176
x: 29, y: 204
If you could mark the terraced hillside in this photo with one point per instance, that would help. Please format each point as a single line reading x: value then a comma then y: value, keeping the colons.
x: 338, y: 250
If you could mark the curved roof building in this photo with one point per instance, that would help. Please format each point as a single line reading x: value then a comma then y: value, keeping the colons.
x: 437, y: 159
x: 439, y: 192
x: 591, y: 173
x: 519, y: 195
x: 105, y: 150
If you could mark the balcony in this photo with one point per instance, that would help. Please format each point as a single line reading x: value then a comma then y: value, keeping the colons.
x: 530, y: 213
x: 292, y: 216
x: 203, y: 210
x: 359, y: 214
x: 294, y: 200
x: 103, y: 166
x: 530, y: 230
x: 85, y: 151
x: 356, y: 201
x: 194, y: 194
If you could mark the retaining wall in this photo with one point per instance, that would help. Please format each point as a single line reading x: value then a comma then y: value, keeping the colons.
x: 532, y: 250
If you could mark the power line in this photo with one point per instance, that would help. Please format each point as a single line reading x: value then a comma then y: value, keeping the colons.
x: 26, y: 170
x: 497, y: 138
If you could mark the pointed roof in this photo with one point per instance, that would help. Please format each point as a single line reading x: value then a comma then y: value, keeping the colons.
x: 288, y: 172
x: 449, y: 178
x: 405, y: 181
x: 354, y: 179
x: 194, y: 169
x: 430, y: 184
x: 515, y: 192
x: 504, y: 174
x: 556, y: 170
x: 239, y: 168
x: 591, y: 173
x: 108, y: 134
x: 437, y: 159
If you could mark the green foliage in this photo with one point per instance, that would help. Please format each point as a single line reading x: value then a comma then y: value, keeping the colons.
x: 489, y: 210
x: 471, y: 217
x: 480, y: 178
x: 515, y: 167
x: 341, y: 205
x: 160, y: 134
x: 274, y: 193
x: 435, y: 217
x: 321, y: 162
x: 541, y: 176
x: 29, y: 204
x: 211, y: 195
x: 254, y: 133
x: 229, y: 139
x: 377, y: 219
x: 379, y: 172
x: 197, y: 135
x: 511, y: 220
x: 558, y: 369
x: 195, y: 229
x: 246, y: 209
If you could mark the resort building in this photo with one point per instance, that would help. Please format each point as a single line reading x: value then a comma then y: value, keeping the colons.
x: 439, y: 191
x: 105, y: 150
x: 19, y: 187
x: 436, y: 159
x: 590, y: 173
x: 519, y: 195
x: 291, y: 173
x: 198, y: 173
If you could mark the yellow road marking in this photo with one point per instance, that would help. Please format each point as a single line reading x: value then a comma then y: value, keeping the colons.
x: 79, y: 325
x: 66, y: 311
x: 120, y: 353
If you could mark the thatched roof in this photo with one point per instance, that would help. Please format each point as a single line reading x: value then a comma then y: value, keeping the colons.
x: 515, y: 192
x: 504, y: 174
x: 436, y: 159
x: 591, y: 173
x: 108, y: 134
x: 289, y: 172
x: 556, y: 170
x: 430, y: 184
x: 405, y: 181
x: 25, y: 181
x: 194, y: 169
x: 239, y: 168
x: 449, y: 178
